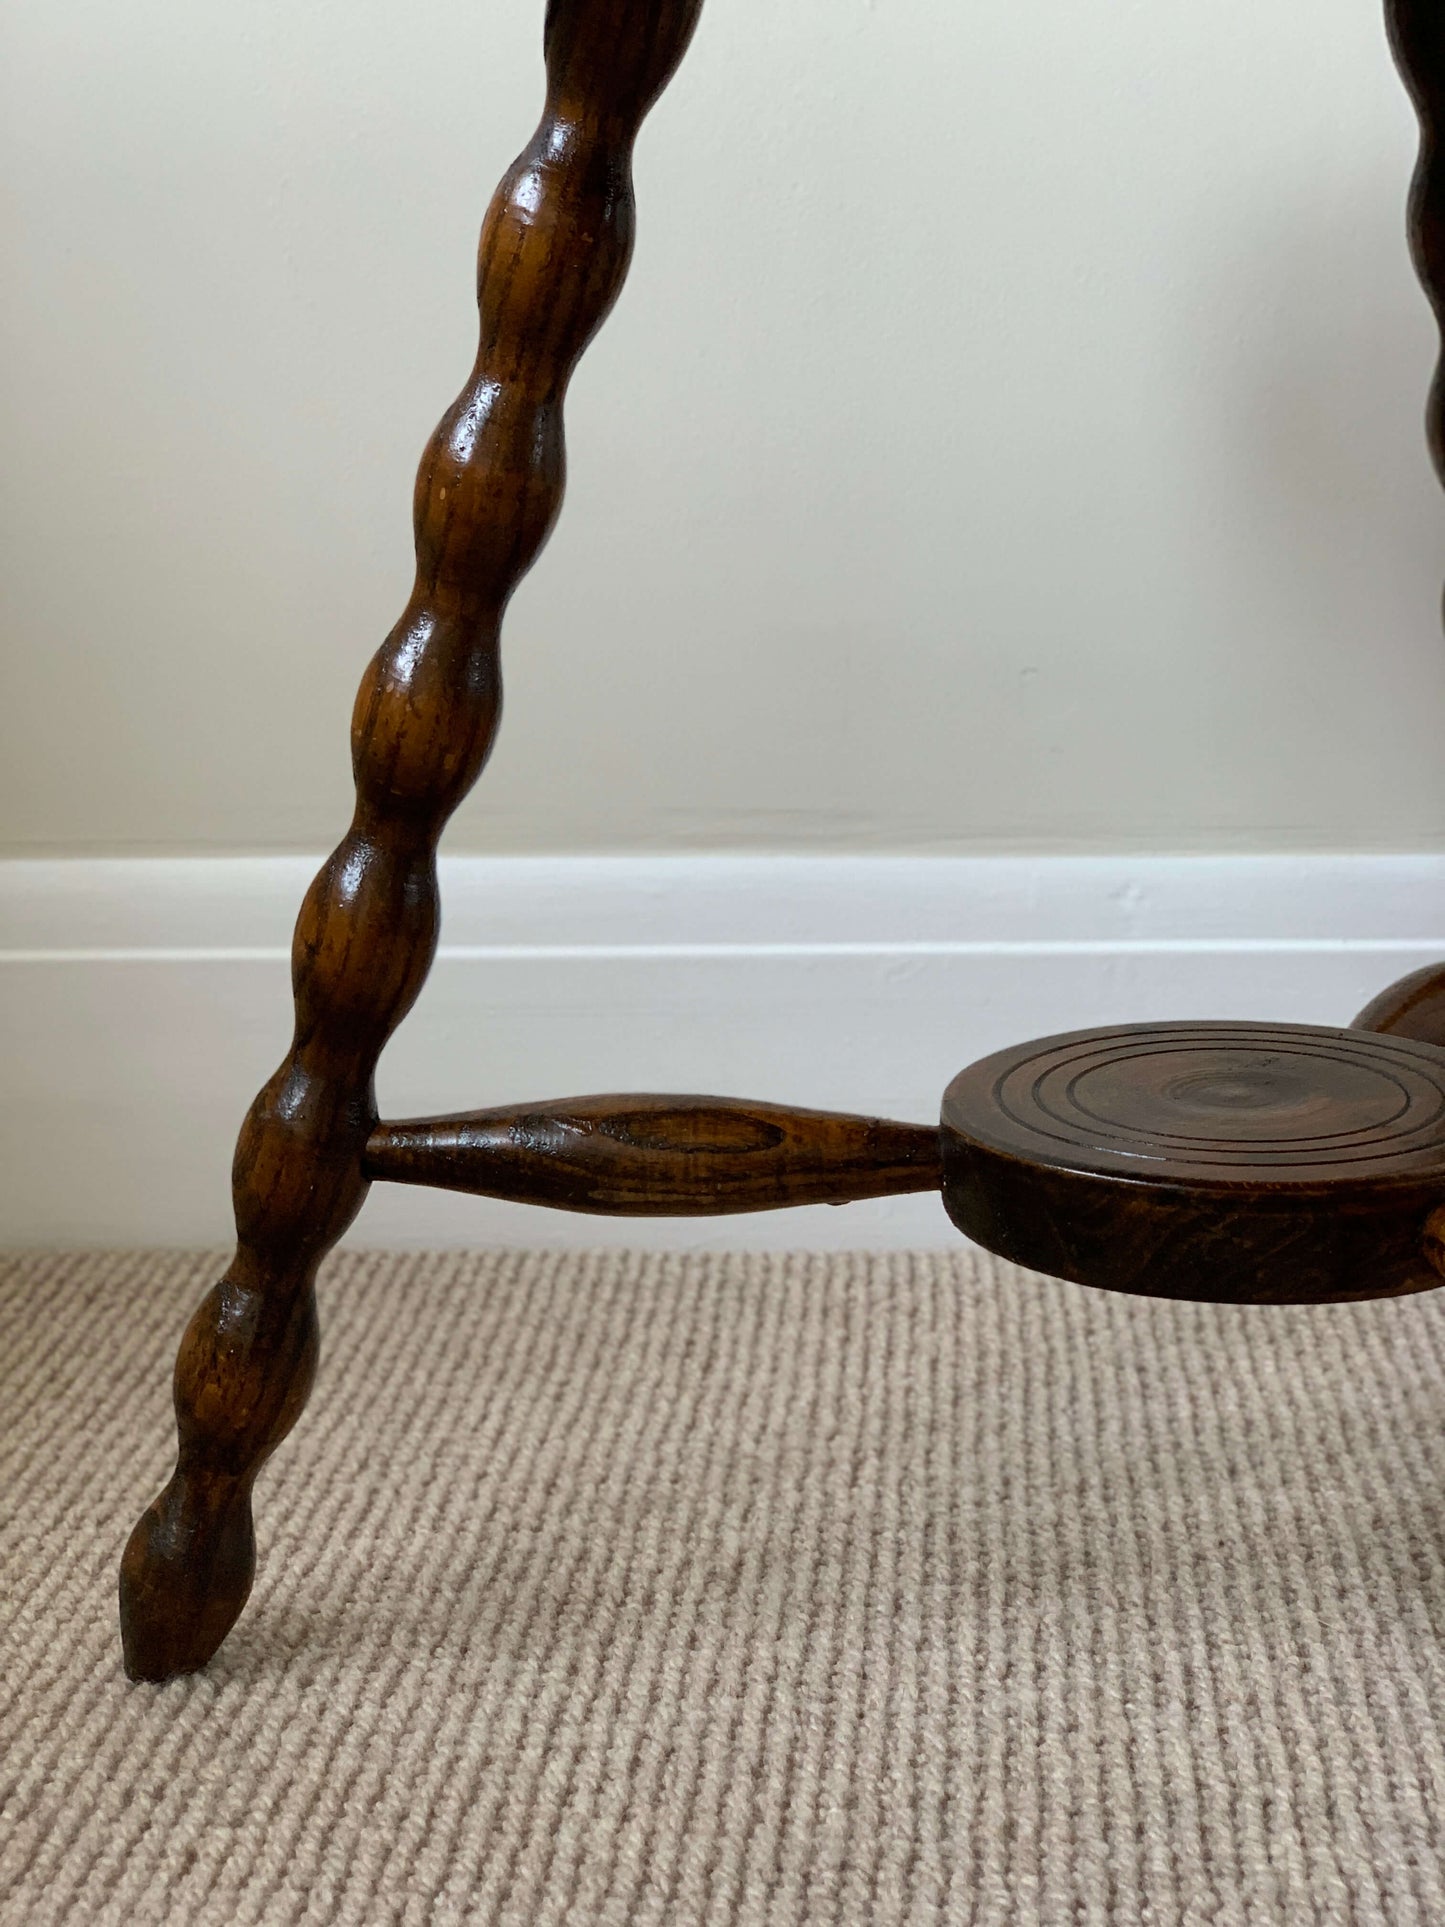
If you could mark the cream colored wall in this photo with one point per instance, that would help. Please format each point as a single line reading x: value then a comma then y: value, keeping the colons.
x: 1009, y: 437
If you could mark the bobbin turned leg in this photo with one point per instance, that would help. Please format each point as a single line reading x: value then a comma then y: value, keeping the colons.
x: 363, y: 944
x: 554, y: 250
x: 245, y: 1367
x: 1415, y: 1006
x: 1417, y: 40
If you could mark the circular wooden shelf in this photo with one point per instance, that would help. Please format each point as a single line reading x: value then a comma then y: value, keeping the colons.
x: 1268, y: 1163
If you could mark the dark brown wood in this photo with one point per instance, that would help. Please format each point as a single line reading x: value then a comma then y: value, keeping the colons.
x: 1413, y: 1007
x: 1417, y: 36
x: 554, y: 250
x: 1249, y: 1163
x: 1434, y: 1240
x: 659, y: 1157
x: 1236, y: 1163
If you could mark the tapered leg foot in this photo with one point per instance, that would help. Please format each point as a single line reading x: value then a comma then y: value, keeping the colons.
x: 184, y: 1578
x: 246, y: 1365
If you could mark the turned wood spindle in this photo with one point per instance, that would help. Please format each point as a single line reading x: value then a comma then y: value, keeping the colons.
x: 1415, y: 1006
x: 554, y: 250
x: 660, y: 1157
x: 1417, y: 37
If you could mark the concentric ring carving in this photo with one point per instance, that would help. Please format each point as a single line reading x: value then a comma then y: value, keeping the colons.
x: 1202, y: 1100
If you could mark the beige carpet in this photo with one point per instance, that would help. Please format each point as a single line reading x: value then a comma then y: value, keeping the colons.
x: 742, y: 1589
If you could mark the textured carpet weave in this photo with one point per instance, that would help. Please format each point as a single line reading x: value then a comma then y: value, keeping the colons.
x: 646, y: 1589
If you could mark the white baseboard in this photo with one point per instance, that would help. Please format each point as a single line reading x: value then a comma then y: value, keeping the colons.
x: 142, y: 1002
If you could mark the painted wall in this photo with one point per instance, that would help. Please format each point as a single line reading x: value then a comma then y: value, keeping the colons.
x: 1009, y: 438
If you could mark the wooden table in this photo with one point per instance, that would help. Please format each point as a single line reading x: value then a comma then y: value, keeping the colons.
x: 1254, y: 1163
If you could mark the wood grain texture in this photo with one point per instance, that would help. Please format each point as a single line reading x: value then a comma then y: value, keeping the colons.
x: 554, y: 250
x: 1417, y: 37
x: 659, y: 1157
x: 1249, y: 1163
x: 1414, y: 1006
x: 1236, y: 1163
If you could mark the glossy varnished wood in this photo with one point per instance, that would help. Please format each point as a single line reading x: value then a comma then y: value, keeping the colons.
x: 1412, y: 1007
x: 1417, y: 36
x: 1251, y: 1163
x: 554, y: 250
x: 1242, y: 1163
x: 1415, y: 1006
x: 659, y: 1157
